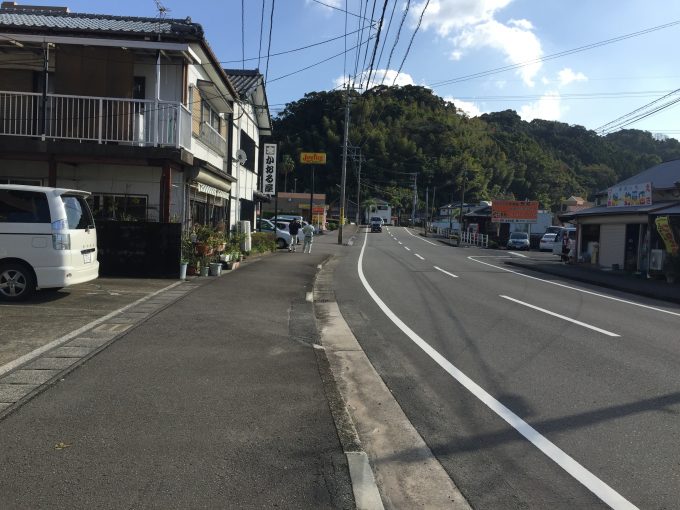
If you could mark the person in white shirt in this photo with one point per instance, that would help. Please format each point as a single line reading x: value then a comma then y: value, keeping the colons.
x: 308, y: 231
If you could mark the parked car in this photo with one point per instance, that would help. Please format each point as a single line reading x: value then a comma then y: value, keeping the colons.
x: 547, y: 241
x: 282, y: 235
x: 518, y: 241
x: 49, y: 240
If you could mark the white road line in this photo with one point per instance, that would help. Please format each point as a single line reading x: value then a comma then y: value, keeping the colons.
x: 421, y: 258
x: 475, y: 257
x: 518, y: 254
x: 564, y: 317
x: 585, y: 477
x: 400, y: 242
x: 419, y: 237
x: 62, y: 340
x: 445, y: 272
x: 409, y: 249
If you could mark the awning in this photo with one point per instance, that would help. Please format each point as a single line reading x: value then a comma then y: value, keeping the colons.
x: 213, y: 95
x: 602, y: 210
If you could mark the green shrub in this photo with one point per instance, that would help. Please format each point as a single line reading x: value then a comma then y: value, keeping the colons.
x: 263, y: 242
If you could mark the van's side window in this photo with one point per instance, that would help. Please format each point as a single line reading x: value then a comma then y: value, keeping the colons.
x: 18, y: 206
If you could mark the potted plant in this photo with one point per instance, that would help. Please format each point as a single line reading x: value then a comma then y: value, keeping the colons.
x: 219, y: 241
x: 204, y: 235
x: 205, y: 266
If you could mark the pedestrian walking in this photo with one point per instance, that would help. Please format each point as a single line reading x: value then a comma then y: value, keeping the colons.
x: 308, y: 231
x: 293, y: 229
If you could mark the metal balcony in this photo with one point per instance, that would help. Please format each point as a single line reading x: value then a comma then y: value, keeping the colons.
x: 144, y: 123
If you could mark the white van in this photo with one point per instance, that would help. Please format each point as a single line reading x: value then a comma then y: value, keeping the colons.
x: 47, y: 240
x: 561, y: 244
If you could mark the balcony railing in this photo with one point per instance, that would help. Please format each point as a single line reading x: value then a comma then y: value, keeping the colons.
x: 213, y: 139
x: 96, y: 119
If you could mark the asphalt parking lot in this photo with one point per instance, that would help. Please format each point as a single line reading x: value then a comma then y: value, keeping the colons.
x: 51, y: 315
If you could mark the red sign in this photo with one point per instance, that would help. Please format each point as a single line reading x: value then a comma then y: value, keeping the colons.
x: 514, y: 211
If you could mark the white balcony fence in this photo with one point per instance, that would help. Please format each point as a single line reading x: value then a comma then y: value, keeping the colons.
x: 213, y: 138
x: 98, y: 119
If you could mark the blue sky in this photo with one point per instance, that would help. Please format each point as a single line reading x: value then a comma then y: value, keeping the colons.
x: 456, y: 39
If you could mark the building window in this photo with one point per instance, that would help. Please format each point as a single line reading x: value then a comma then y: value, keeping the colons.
x: 248, y: 145
x: 22, y: 182
x: 118, y: 207
x: 210, y: 116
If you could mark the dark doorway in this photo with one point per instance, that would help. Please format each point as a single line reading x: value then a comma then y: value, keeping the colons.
x: 630, y: 262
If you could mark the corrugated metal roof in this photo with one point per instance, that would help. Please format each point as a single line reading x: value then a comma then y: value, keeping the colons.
x: 661, y: 176
x: 16, y: 17
x: 602, y: 210
x: 245, y: 80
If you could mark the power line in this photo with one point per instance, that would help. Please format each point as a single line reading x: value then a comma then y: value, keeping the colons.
x: 243, y: 34
x: 363, y: 66
x: 343, y: 10
x: 269, y: 45
x: 639, y: 113
x: 579, y: 49
x: 259, y: 50
x: 387, y: 33
x: 377, y: 43
x: 411, y: 42
x: 396, y: 40
x: 317, y: 63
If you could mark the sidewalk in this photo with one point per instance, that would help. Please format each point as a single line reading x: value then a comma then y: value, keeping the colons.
x: 656, y: 289
x: 214, y: 402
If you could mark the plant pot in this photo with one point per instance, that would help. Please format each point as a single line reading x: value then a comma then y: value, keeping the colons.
x: 203, y: 249
x: 205, y: 270
x: 215, y: 269
x: 183, y: 270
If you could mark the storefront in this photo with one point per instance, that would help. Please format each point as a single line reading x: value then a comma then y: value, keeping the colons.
x: 207, y: 198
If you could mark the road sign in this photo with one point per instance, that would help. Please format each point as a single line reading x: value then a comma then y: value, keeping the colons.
x: 313, y: 158
x: 269, y: 177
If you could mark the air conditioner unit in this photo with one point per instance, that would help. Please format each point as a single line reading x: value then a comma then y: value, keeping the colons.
x: 656, y: 260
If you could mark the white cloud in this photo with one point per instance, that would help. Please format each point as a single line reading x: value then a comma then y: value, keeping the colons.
x: 379, y: 76
x: 548, y: 107
x: 328, y: 8
x: 472, y: 24
x: 467, y: 107
x: 446, y: 16
x: 518, y: 45
x: 567, y: 76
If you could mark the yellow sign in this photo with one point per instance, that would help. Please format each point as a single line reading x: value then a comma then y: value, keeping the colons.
x: 666, y: 233
x: 313, y: 158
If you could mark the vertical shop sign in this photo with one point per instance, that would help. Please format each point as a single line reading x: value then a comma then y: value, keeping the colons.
x: 666, y: 232
x: 269, y: 177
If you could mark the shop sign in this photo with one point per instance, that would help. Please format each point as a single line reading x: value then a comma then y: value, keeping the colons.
x: 269, y: 177
x: 666, y: 232
x: 209, y: 190
x: 313, y: 158
x: 630, y: 194
x: 514, y: 211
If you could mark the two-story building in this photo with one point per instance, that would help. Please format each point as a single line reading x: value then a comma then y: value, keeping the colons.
x: 135, y: 110
x: 251, y: 123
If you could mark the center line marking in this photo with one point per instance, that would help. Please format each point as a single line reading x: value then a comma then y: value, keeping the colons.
x: 445, y: 272
x: 400, y: 242
x: 409, y: 249
x: 594, y: 328
x: 603, y: 491
x: 421, y: 258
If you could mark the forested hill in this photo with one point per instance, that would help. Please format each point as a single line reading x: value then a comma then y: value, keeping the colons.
x: 402, y: 130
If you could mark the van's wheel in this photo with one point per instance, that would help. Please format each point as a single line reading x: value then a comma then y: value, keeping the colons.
x: 280, y: 243
x: 16, y: 282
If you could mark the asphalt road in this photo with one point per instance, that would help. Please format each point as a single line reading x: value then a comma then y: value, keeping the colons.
x: 588, y: 377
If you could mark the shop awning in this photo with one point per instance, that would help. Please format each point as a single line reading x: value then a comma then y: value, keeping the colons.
x: 602, y: 210
x: 213, y: 95
x: 261, y: 197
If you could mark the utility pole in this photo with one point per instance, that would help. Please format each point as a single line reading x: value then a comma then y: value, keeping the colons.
x: 344, y: 168
x: 434, y: 195
x: 427, y: 207
x: 361, y: 158
x: 462, y: 199
x: 415, y: 199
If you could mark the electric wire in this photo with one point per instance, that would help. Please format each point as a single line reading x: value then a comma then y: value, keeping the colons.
x: 387, y: 33
x: 377, y: 43
x: 269, y: 45
x: 345, y: 10
x: 259, y: 50
x: 396, y: 40
x: 552, y: 56
x: 243, y: 35
x: 363, y: 65
x: 408, y: 49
